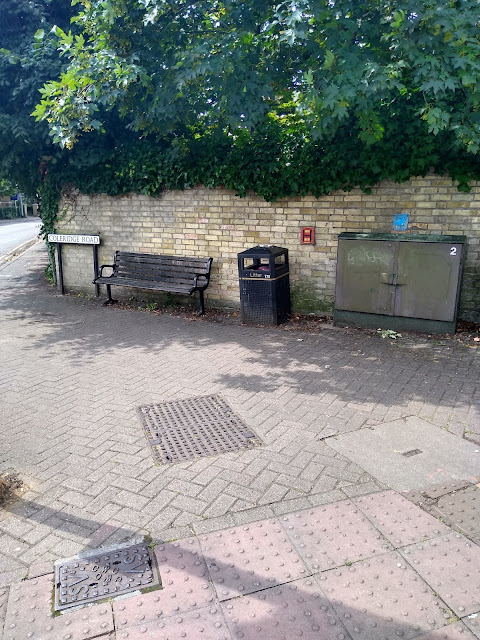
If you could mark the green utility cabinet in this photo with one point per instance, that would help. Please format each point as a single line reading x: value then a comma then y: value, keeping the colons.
x: 400, y: 282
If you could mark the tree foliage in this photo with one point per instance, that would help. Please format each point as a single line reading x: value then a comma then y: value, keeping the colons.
x: 273, y: 160
x: 286, y: 98
x: 25, y: 65
x: 172, y: 66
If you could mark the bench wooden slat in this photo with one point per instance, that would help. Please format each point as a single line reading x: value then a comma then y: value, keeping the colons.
x: 188, y: 282
x: 145, y: 284
x: 139, y: 258
x: 160, y: 270
x: 157, y: 273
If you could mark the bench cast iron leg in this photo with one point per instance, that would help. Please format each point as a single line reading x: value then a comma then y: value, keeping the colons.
x: 110, y: 299
x: 202, y: 304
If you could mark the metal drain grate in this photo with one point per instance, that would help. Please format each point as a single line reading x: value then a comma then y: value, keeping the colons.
x: 104, y: 575
x: 194, y: 428
x: 413, y: 452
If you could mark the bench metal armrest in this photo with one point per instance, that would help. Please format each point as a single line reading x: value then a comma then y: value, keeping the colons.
x: 203, y: 275
x: 104, y: 266
x: 195, y: 280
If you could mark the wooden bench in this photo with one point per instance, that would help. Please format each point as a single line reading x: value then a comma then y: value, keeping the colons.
x: 172, y: 274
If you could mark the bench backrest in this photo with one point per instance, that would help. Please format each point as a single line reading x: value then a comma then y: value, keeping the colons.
x: 151, y: 267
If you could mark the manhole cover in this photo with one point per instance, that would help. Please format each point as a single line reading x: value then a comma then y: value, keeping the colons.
x: 193, y: 428
x: 103, y: 575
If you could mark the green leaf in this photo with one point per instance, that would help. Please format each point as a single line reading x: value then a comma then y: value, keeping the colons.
x: 329, y: 60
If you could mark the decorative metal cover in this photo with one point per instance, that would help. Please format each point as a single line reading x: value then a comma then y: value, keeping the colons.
x: 104, y: 574
x: 193, y: 428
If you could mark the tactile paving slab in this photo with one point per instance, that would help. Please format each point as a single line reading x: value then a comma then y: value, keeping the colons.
x: 331, y: 535
x: 203, y: 624
x: 251, y: 558
x: 193, y: 428
x: 451, y: 566
x: 104, y: 574
x: 3, y: 604
x: 461, y: 510
x: 473, y: 623
x: 400, y: 521
x: 439, y: 490
x: 297, y: 609
x: 382, y: 598
x: 29, y: 615
x: 186, y: 586
x: 455, y: 631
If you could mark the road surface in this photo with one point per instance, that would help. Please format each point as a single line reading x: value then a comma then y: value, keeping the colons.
x: 14, y: 233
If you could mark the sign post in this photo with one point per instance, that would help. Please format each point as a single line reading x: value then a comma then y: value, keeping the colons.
x: 68, y: 238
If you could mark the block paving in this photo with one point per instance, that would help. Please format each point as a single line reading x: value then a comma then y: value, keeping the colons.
x: 72, y: 374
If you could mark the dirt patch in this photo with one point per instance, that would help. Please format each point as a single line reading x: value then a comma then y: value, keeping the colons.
x: 468, y: 333
x: 10, y: 483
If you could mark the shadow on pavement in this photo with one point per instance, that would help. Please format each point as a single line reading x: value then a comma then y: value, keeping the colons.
x: 354, y: 366
x: 55, y: 519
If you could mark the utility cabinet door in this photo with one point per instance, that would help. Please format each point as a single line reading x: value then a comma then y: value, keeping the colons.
x: 365, y: 270
x: 428, y: 280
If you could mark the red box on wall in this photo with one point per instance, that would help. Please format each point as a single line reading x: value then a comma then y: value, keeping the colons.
x: 307, y: 235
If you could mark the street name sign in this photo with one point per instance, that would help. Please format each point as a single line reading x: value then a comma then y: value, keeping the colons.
x: 67, y: 238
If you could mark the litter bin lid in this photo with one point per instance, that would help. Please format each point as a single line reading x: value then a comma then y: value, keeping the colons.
x: 264, y: 249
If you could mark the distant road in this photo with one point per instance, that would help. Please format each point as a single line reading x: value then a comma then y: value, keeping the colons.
x: 14, y: 233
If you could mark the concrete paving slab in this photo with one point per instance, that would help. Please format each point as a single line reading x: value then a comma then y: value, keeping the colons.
x: 451, y: 566
x: 185, y: 587
x: 330, y: 536
x: 297, y: 609
x: 400, y: 521
x: 455, y: 631
x: 473, y: 623
x: 3, y: 605
x: 383, y: 598
x: 40, y: 569
x: 29, y: 615
x: 204, y: 624
x: 28, y: 603
x: 380, y: 451
x: 437, y: 491
x: 461, y: 510
x: 251, y: 558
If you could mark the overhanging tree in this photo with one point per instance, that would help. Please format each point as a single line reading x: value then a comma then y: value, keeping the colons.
x: 25, y: 65
x: 169, y: 66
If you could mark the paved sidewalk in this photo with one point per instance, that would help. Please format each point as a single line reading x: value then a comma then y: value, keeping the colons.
x: 73, y: 372
x: 373, y: 568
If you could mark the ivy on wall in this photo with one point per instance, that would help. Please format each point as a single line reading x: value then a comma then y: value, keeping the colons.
x: 274, y: 161
x: 50, y: 193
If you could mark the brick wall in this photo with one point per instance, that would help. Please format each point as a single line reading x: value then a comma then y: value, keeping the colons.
x: 217, y: 223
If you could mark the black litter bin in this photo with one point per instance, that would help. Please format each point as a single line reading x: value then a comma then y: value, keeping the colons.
x: 264, y: 285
